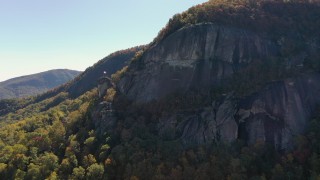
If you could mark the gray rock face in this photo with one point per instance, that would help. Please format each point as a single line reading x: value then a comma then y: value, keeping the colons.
x: 203, y: 56
x: 104, y: 119
x: 280, y: 111
x: 104, y: 83
x: 274, y: 115
x: 200, y: 55
x: 213, y: 123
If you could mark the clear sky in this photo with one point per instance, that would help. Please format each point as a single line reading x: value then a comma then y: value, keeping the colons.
x: 38, y: 35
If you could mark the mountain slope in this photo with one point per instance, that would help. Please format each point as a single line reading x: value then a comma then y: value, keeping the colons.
x: 217, y: 95
x: 209, y: 62
x: 110, y: 65
x: 86, y: 81
x: 35, y: 84
x: 221, y: 72
x: 204, y: 57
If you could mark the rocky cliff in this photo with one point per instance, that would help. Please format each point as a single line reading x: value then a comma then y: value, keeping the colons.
x: 275, y: 115
x: 195, y: 56
x: 208, y: 55
x: 280, y: 111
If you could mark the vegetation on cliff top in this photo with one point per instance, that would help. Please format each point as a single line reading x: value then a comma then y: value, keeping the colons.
x: 274, y: 17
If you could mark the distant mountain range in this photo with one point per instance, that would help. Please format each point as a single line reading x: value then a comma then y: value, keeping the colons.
x: 35, y: 83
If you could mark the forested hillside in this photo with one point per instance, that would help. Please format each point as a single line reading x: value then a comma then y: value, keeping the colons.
x: 38, y: 131
x: 84, y: 82
x: 229, y: 89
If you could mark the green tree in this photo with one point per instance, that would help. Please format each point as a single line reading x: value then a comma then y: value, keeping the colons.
x: 6, y: 154
x: 19, y: 175
x: 95, y: 171
x: 65, y: 166
x: 89, y: 160
x: 48, y: 163
x: 78, y: 173
x: 34, y: 172
x: 3, y: 168
x: 57, y: 133
x: 53, y: 176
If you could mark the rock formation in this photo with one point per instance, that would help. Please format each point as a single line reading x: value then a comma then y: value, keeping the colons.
x: 195, y: 56
x: 104, y: 83
x: 205, y: 55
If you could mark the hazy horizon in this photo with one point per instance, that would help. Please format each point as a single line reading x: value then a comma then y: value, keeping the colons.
x: 37, y: 36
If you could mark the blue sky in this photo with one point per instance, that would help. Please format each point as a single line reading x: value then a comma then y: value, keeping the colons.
x: 38, y: 35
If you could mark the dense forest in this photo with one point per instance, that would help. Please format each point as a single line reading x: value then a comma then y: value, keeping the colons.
x: 57, y: 135
x: 61, y: 143
x: 32, y: 147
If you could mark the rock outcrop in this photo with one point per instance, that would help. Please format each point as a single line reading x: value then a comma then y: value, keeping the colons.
x: 104, y: 119
x: 275, y: 115
x: 209, y: 124
x: 280, y: 111
x: 205, y: 55
x: 104, y: 83
x: 195, y: 56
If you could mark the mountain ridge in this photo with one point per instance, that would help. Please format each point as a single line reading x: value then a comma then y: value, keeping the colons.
x: 36, y: 83
x: 84, y: 82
